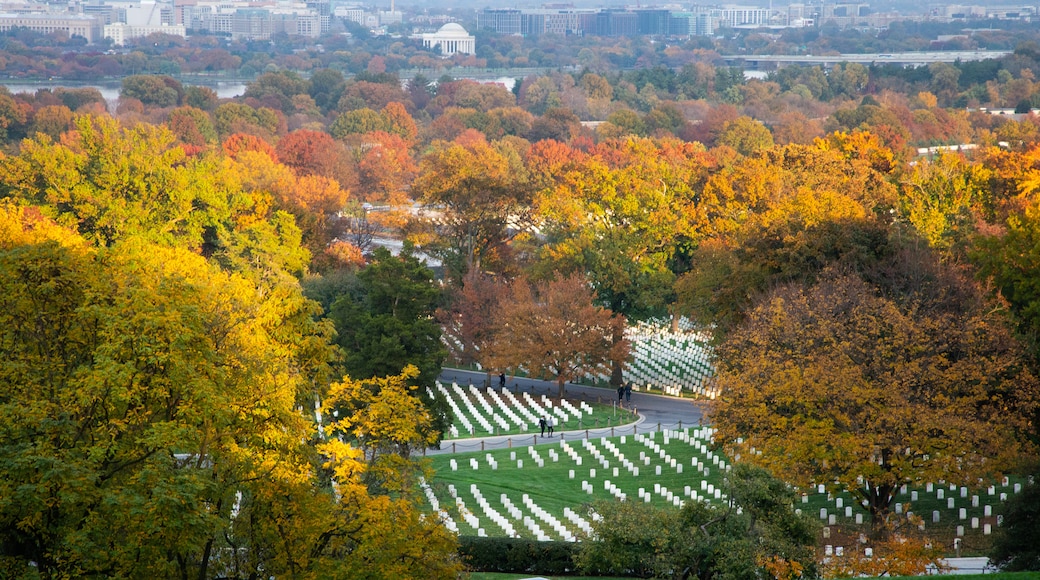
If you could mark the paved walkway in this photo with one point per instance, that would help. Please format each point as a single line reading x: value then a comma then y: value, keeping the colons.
x: 655, y: 412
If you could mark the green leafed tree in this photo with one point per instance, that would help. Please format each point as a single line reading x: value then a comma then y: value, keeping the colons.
x: 160, y: 91
x: 386, y: 321
x: 763, y: 539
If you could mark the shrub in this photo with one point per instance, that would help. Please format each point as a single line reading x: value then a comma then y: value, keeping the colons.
x: 517, y: 555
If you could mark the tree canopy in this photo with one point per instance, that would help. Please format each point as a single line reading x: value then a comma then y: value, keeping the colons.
x: 871, y: 387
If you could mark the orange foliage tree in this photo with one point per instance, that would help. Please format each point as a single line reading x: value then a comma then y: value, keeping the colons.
x: 870, y: 387
x: 556, y: 330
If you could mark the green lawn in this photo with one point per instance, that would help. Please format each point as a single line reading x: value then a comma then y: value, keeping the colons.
x: 551, y: 488
x: 603, y: 414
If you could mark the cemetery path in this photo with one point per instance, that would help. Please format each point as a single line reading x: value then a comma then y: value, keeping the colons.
x: 655, y: 412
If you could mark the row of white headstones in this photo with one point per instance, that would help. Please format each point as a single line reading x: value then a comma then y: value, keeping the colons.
x: 502, y: 409
x: 587, y: 450
x: 936, y: 517
x: 656, y: 457
x: 671, y: 361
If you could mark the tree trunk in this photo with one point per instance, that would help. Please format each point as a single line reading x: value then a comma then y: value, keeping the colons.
x: 879, y: 500
x: 617, y: 369
x: 562, y: 384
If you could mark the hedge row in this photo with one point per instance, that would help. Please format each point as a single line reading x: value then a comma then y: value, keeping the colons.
x: 517, y: 555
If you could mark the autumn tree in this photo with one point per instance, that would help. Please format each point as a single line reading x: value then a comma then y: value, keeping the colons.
x: 156, y: 388
x: 386, y: 167
x: 52, y: 121
x: 470, y: 320
x: 786, y: 215
x: 486, y: 201
x: 108, y: 182
x: 746, y: 135
x: 555, y: 329
x: 161, y: 91
x: 870, y: 386
x: 944, y: 197
x: 625, y: 216
x: 374, y: 427
x: 192, y: 126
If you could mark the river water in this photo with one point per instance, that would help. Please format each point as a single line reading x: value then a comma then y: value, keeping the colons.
x: 110, y: 90
x: 225, y: 90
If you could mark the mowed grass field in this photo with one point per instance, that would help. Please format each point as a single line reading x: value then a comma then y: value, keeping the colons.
x: 551, y: 488
x: 468, y: 402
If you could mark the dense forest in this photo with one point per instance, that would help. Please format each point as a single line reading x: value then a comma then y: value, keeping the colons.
x: 212, y: 370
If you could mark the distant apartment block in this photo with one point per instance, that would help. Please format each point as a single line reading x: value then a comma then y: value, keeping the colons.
x: 82, y: 25
x: 702, y: 20
x: 247, y: 20
x: 120, y: 32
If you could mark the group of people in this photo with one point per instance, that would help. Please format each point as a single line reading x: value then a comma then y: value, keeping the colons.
x: 547, y: 422
x: 624, y: 392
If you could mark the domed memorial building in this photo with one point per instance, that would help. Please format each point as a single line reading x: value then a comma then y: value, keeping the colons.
x: 451, y: 39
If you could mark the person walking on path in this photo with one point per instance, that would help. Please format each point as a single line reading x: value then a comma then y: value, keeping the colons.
x: 628, y: 392
x: 502, y: 380
x: 542, y: 423
x: 620, y: 394
x: 551, y: 424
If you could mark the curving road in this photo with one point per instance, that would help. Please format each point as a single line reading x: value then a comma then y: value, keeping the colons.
x: 655, y: 411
